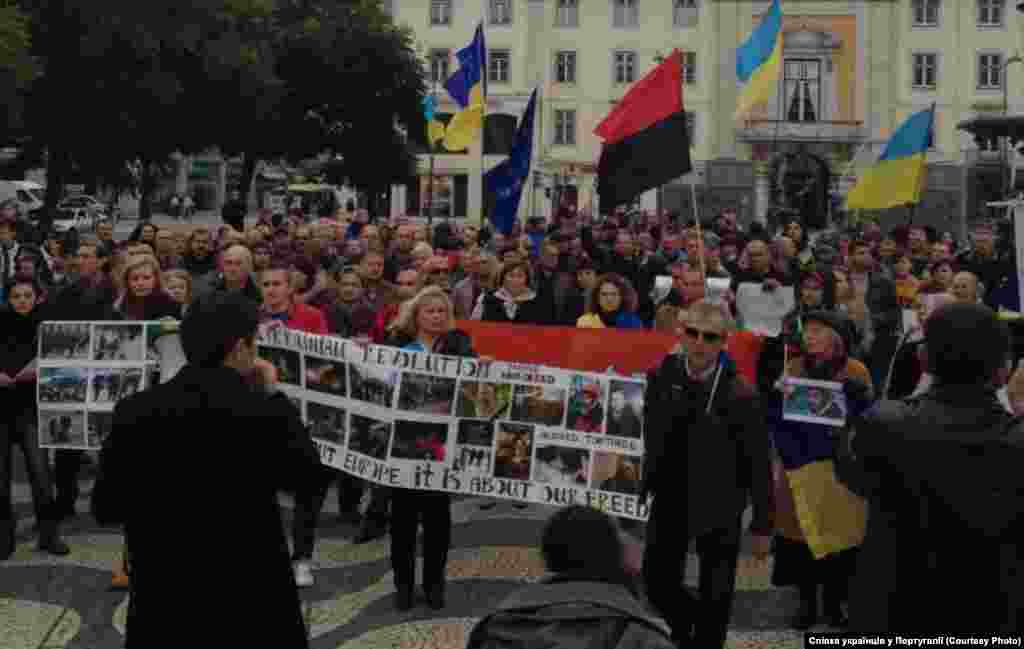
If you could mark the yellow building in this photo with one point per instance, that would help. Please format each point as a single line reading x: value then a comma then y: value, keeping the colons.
x: 853, y: 70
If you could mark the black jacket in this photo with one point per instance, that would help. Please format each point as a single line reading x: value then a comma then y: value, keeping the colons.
x: 537, y: 311
x: 236, y: 434
x: 713, y: 464
x: 571, y: 615
x: 18, y: 348
x: 941, y: 474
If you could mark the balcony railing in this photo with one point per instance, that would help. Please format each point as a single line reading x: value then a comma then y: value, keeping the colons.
x: 759, y: 130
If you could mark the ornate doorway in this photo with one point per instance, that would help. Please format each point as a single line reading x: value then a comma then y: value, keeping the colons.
x: 800, y: 187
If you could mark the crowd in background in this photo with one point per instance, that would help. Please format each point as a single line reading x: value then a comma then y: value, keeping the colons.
x: 349, y: 275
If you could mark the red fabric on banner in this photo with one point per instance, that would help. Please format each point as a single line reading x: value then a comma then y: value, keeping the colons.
x: 587, y: 350
x: 629, y: 351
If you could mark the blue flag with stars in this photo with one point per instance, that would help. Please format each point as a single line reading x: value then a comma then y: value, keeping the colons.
x: 507, y: 179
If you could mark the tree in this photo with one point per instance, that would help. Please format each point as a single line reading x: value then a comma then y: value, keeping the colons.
x: 351, y: 80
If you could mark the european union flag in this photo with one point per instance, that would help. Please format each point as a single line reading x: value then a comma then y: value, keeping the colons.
x: 505, y: 181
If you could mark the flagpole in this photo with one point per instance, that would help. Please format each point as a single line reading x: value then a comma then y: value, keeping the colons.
x: 700, y: 234
x: 433, y: 150
x: 533, y: 168
x: 483, y: 119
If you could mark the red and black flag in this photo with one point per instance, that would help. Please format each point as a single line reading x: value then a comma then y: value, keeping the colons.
x: 646, y: 143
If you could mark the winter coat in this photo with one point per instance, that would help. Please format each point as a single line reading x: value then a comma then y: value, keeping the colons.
x: 18, y: 348
x: 242, y: 430
x: 941, y: 474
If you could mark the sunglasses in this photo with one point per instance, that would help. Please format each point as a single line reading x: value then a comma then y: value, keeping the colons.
x: 708, y: 336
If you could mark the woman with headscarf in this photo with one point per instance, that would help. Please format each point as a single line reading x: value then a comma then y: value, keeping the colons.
x: 613, y: 304
x: 826, y: 338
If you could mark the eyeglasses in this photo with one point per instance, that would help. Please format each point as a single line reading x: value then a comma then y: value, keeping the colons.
x: 709, y: 337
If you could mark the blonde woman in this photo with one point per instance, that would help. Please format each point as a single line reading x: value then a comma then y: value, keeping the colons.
x: 178, y: 284
x: 143, y: 297
x: 425, y: 323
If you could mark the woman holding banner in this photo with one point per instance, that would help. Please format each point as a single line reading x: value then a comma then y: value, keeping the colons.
x: 18, y: 426
x: 816, y: 544
x: 426, y: 323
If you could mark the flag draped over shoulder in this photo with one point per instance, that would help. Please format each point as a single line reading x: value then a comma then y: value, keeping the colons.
x: 468, y: 87
x: 758, y: 62
x: 506, y: 180
x: 646, y: 142
x: 898, y: 177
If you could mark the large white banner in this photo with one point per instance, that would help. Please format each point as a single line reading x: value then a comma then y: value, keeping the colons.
x: 87, y: 367
x: 394, y: 417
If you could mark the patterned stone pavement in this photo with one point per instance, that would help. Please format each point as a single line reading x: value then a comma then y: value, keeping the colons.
x: 49, y: 603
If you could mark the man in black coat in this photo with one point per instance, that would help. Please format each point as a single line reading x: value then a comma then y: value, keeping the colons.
x: 706, y: 456
x: 941, y: 475
x: 225, y: 407
x: 234, y: 211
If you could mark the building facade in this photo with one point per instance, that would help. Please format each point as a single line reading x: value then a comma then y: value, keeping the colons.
x: 852, y: 71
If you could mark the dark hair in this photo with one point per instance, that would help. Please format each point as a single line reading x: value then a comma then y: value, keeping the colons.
x: 522, y: 265
x: 582, y: 543
x: 956, y: 359
x: 18, y: 280
x: 214, y: 324
x: 629, y: 298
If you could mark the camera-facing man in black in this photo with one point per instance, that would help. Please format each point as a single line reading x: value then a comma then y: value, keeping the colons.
x: 941, y: 473
x: 243, y: 441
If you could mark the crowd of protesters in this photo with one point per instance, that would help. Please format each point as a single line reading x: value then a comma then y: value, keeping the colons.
x: 404, y: 284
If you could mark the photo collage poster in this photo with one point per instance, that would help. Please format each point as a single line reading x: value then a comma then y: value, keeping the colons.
x: 520, y: 432
x: 84, y: 369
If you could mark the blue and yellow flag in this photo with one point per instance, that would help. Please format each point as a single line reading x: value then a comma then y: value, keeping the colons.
x: 468, y: 87
x: 898, y: 176
x: 758, y: 62
x: 435, y: 129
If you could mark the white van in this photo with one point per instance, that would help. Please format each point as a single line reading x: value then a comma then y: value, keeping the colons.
x: 28, y: 195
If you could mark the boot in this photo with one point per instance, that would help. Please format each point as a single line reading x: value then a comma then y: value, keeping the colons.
x: 370, y: 529
x: 807, y: 616
x: 50, y: 541
x: 435, y: 596
x: 404, y: 598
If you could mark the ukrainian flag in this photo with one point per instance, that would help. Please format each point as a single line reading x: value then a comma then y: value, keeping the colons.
x: 759, y: 60
x: 898, y: 176
x: 435, y: 129
x: 468, y: 87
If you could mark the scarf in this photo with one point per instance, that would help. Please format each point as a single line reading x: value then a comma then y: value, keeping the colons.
x: 511, y: 303
x: 828, y: 365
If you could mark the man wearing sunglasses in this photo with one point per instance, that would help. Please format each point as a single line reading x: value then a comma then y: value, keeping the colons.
x: 706, y: 457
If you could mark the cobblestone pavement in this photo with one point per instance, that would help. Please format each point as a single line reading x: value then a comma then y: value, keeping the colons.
x: 49, y: 603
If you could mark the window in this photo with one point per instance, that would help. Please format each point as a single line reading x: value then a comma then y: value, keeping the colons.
x: 689, y: 68
x: 501, y: 12
x: 624, y: 67
x: 497, y: 66
x: 625, y: 13
x: 440, y: 12
x: 567, y: 13
x: 990, y: 13
x: 802, y: 87
x: 926, y: 13
x: 565, y: 67
x: 439, y: 59
x: 925, y: 72
x: 565, y: 128
x: 684, y: 13
x: 990, y: 71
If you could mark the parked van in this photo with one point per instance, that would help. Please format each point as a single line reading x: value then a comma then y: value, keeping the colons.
x: 29, y: 195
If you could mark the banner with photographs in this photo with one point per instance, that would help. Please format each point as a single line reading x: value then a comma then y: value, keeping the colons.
x: 84, y: 368
x: 520, y: 432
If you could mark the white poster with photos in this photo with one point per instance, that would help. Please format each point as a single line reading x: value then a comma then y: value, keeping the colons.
x: 520, y: 432
x: 84, y: 369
